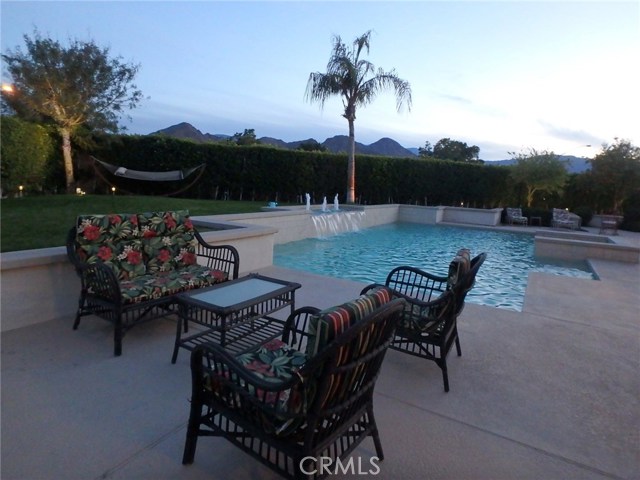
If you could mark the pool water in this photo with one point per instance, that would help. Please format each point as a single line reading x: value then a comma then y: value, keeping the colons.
x: 368, y: 256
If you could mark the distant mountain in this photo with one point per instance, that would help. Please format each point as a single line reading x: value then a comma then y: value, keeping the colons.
x: 574, y: 165
x: 340, y: 143
x: 187, y: 131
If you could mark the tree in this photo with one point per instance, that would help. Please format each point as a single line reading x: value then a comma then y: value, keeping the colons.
x: 615, y: 172
x: 246, y: 138
x: 539, y: 172
x: 447, y: 149
x: 427, y: 151
x: 312, y: 146
x: 357, y: 82
x: 74, y: 86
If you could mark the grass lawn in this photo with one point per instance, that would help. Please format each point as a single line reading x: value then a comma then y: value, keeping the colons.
x: 43, y: 221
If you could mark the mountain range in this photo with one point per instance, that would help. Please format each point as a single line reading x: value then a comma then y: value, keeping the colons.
x: 340, y: 143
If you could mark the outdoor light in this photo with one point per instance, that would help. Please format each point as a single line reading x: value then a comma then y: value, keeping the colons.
x: 20, y: 188
x: 113, y: 190
x: 7, y: 88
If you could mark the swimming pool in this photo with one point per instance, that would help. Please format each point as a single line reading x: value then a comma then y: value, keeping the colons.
x: 368, y: 255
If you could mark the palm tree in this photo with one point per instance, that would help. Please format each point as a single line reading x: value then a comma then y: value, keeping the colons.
x: 357, y: 82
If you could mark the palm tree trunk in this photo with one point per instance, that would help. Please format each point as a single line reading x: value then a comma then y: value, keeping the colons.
x: 68, y: 162
x: 351, y: 166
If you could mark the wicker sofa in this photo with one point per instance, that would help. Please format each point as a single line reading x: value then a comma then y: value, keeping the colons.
x: 297, y: 402
x: 132, y: 265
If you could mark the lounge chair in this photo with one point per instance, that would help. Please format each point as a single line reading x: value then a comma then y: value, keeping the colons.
x: 297, y: 402
x: 609, y: 223
x: 565, y: 219
x: 514, y: 215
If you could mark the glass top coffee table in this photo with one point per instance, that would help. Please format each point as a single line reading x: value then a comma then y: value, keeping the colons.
x: 233, y: 314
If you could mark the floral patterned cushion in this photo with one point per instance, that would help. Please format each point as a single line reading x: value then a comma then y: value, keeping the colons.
x: 274, y: 361
x: 329, y: 323
x: 113, y: 239
x: 160, y: 284
x: 168, y: 240
x: 424, y: 319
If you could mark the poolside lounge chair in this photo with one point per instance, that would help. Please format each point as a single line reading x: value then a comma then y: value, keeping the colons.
x: 609, y: 223
x: 565, y: 219
x: 296, y: 402
x: 514, y: 215
x: 428, y: 326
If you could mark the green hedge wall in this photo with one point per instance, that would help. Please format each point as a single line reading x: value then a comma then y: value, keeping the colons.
x: 265, y: 173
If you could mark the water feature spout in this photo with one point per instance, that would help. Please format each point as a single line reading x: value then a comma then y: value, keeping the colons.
x: 336, y: 205
x: 324, y: 204
x: 308, y: 197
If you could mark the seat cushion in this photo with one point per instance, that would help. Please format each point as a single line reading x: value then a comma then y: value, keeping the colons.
x: 273, y: 361
x: 329, y: 323
x: 113, y: 239
x: 160, y: 284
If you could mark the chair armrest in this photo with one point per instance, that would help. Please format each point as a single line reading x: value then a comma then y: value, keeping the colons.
x: 97, y: 279
x: 219, y: 257
x: 100, y: 281
x: 295, y: 332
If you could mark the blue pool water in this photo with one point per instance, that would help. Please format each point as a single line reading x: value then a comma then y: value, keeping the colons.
x: 368, y: 255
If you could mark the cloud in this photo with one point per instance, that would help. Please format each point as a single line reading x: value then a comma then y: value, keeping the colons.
x: 570, y: 135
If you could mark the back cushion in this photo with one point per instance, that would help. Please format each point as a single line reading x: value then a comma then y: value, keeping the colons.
x: 168, y: 240
x: 459, y: 266
x: 113, y: 239
x: 327, y: 324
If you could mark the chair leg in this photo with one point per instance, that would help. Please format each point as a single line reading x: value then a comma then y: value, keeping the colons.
x: 192, y: 434
x: 458, y: 349
x: 117, y: 340
x: 375, y: 434
x: 445, y: 376
x: 76, y: 322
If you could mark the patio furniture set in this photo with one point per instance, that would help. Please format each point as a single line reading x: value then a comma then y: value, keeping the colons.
x: 294, y: 393
x: 559, y: 219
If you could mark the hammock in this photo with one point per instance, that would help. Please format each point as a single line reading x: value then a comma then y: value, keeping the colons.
x: 169, y: 176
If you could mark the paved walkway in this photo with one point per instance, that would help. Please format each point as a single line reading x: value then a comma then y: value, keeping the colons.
x: 552, y: 392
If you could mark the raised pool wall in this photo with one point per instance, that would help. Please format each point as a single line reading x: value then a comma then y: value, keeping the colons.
x: 41, y: 285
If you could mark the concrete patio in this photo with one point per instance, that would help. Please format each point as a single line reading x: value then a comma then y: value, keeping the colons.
x: 552, y: 392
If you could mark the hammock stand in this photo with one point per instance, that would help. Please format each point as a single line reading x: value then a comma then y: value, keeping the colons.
x: 169, y: 176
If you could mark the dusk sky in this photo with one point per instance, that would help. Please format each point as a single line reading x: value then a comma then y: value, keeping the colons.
x: 505, y: 76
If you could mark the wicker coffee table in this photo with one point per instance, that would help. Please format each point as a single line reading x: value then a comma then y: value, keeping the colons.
x: 233, y: 314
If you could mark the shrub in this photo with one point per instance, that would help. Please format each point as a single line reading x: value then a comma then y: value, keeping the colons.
x: 585, y: 213
x: 26, y: 150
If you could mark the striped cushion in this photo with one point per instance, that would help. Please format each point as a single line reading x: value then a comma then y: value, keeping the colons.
x: 329, y: 323
x: 459, y: 266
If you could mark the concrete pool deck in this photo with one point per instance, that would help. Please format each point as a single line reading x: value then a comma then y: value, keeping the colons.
x: 552, y: 392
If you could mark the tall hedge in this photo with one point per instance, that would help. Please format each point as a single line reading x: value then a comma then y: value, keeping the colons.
x: 265, y: 173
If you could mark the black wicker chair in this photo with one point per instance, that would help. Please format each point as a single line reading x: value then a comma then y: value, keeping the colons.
x: 428, y: 326
x: 101, y: 291
x: 294, y: 420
